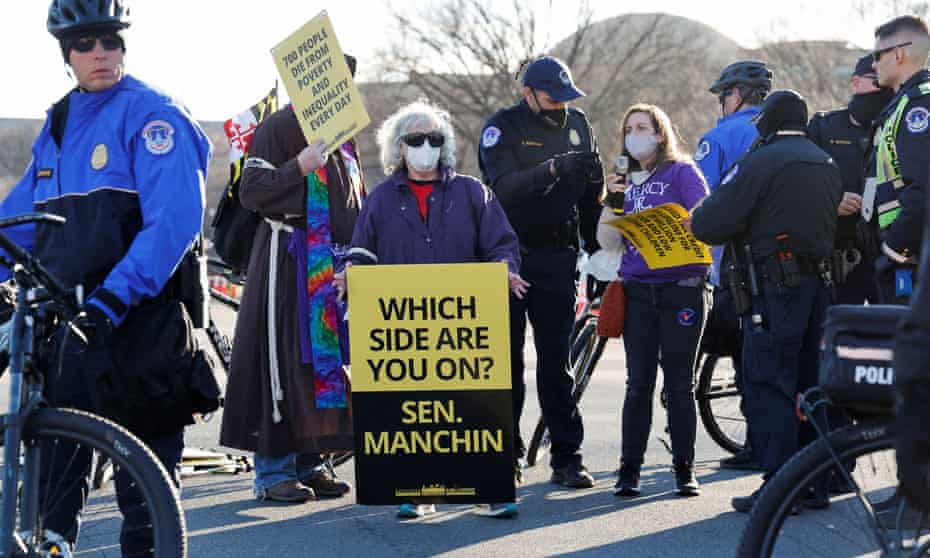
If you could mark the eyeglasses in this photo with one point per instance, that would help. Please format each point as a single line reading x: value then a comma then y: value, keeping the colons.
x: 877, y: 54
x: 110, y: 41
x: 416, y: 140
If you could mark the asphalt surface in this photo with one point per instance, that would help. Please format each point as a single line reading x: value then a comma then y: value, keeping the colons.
x: 224, y: 519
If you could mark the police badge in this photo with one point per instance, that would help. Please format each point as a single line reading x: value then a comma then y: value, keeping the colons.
x: 574, y: 137
x: 100, y: 157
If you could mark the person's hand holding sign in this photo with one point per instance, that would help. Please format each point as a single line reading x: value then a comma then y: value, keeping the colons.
x: 686, y: 220
x: 339, y: 281
x: 312, y: 157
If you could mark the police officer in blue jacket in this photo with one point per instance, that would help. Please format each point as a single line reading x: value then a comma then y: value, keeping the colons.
x: 540, y: 157
x: 740, y: 89
x: 777, y: 208
x: 125, y: 165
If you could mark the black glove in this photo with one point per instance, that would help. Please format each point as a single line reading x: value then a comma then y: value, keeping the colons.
x: 577, y: 165
x: 95, y: 325
x: 912, y: 444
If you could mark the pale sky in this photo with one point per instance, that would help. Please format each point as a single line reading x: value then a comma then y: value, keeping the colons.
x: 214, y: 54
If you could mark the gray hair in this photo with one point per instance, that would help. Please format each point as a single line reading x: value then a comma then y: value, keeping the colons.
x: 405, y: 119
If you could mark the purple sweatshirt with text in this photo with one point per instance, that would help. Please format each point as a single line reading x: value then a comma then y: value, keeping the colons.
x: 676, y: 182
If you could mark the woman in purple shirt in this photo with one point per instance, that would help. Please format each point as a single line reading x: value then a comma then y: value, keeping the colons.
x: 665, y: 308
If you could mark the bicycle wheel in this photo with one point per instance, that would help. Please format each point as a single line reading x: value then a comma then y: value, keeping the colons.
x: 583, y: 339
x: 718, y: 402
x: 846, y: 527
x: 588, y: 352
x: 70, y: 437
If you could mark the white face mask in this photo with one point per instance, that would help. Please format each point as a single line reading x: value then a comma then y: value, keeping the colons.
x: 641, y: 146
x: 423, y: 158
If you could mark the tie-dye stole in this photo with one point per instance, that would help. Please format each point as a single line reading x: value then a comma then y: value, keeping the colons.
x: 329, y: 380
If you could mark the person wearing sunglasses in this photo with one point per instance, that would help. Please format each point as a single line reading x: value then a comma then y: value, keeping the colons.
x: 894, y: 202
x: 540, y: 156
x: 741, y: 87
x: 424, y: 212
x: 893, y: 198
x: 126, y: 165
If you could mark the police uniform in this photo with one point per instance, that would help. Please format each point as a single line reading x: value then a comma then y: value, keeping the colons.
x: 126, y: 167
x: 901, y: 143
x: 547, y: 213
x: 787, y: 186
x: 847, y: 143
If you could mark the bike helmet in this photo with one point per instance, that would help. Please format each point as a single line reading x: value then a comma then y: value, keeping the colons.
x: 66, y: 17
x: 751, y: 73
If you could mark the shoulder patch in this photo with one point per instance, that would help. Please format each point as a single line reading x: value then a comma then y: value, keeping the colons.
x: 159, y: 137
x: 730, y: 175
x: 918, y: 120
x: 491, y: 136
x: 703, y: 150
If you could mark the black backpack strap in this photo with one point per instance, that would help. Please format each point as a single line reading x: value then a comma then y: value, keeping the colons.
x: 60, y: 118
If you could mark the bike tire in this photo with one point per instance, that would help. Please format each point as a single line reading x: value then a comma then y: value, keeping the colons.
x: 705, y: 398
x: 582, y: 340
x: 779, y: 495
x: 127, y: 452
x: 590, y: 348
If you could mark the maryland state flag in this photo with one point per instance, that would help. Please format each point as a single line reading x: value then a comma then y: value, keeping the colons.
x: 233, y: 225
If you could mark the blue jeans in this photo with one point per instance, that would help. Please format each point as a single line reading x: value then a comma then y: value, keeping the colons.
x: 270, y: 471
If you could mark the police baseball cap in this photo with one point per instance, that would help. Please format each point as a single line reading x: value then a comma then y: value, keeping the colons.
x: 551, y: 75
x: 864, y: 66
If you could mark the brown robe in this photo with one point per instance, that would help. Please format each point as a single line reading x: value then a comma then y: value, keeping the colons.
x: 280, y: 194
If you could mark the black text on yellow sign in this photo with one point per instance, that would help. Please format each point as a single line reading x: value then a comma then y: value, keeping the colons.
x: 319, y: 83
x: 453, y: 333
x: 431, y: 400
x: 659, y: 235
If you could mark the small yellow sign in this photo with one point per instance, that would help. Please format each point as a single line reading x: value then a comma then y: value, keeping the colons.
x: 661, y: 238
x: 318, y: 81
x: 434, y: 327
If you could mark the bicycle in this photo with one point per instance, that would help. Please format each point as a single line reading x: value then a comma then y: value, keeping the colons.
x: 716, y: 391
x: 33, y: 431
x: 862, y: 457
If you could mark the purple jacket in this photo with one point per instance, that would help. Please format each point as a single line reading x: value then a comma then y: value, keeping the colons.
x: 676, y: 182
x: 465, y: 224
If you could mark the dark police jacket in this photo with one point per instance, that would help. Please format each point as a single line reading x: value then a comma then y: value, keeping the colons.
x: 788, y: 185
x: 909, y: 163
x: 848, y: 145
x: 513, y: 144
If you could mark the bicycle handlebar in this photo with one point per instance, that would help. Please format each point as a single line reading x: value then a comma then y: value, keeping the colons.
x: 31, y: 265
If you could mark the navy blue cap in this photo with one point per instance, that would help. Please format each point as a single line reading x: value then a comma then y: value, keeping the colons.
x: 551, y: 75
x: 864, y: 66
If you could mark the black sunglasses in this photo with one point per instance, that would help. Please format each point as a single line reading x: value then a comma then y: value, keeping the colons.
x: 877, y: 54
x: 416, y: 140
x: 87, y: 43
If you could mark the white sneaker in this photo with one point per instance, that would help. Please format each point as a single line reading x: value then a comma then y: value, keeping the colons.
x: 411, y: 511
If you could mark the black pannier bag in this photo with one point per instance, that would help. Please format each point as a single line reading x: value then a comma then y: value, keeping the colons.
x: 856, y: 360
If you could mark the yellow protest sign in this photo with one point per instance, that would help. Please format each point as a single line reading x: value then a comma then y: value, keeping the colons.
x: 661, y: 238
x: 429, y: 327
x: 318, y: 81
x: 431, y: 400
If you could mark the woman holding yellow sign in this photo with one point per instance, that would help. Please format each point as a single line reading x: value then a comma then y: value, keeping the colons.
x: 665, y: 308
x: 425, y: 213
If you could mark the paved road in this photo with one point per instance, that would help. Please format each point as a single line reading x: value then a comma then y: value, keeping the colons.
x: 224, y: 519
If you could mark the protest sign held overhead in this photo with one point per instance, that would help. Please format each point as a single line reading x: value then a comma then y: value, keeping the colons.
x: 661, y: 238
x: 431, y: 402
x: 320, y: 85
